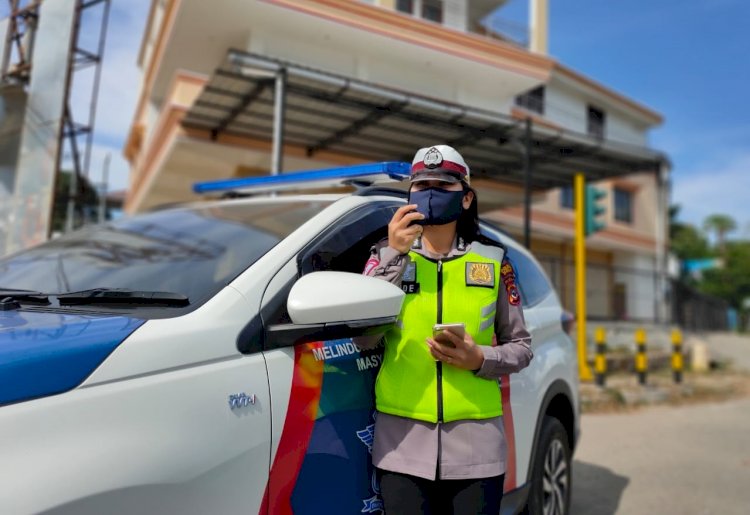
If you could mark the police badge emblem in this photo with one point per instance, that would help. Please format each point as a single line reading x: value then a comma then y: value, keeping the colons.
x: 433, y: 158
x: 508, y: 276
x: 480, y: 274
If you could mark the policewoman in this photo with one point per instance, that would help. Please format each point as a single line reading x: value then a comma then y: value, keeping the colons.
x: 439, y: 440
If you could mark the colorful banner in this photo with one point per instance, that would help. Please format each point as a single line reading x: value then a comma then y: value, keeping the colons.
x: 324, y: 457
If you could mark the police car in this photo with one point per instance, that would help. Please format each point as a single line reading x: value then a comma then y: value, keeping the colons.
x: 199, y: 359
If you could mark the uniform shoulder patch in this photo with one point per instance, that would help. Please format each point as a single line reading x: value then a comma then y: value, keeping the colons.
x: 508, y: 275
x: 480, y: 274
x: 370, y: 265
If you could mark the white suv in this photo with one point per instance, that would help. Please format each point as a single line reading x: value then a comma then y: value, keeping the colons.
x: 199, y: 360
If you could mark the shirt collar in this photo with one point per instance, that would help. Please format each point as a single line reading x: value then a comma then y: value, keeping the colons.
x: 458, y: 248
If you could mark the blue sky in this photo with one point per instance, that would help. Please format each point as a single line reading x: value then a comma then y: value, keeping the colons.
x: 686, y: 59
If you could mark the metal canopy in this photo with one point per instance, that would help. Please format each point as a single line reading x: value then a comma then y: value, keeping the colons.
x: 324, y: 111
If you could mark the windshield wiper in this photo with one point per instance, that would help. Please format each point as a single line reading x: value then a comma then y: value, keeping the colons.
x: 123, y: 296
x: 24, y: 295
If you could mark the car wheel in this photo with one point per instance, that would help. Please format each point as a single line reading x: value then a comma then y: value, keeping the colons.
x: 551, y: 476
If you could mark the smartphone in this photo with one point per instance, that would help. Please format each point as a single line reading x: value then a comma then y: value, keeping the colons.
x: 457, y: 329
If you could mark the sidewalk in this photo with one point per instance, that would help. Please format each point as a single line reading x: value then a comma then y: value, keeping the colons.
x: 728, y: 347
x: 620, y: 336
x: 622, y: 392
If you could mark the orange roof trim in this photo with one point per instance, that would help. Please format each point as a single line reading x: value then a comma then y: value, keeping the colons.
x: 424, y: 33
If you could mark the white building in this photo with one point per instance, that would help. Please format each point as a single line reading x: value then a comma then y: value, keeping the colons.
x: 357, y: 81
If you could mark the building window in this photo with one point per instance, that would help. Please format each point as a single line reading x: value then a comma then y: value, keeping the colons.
x: 432, y: 10
x: 623, y: 205
x: 596, y: 122
x: 405, y: 6
x: 532, y: 100
x: 566, y: 197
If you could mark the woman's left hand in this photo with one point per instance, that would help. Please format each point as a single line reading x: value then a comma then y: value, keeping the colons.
x: 466, y: 354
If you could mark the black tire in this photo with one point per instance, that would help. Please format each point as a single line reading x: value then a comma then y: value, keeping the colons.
x: 551, y: 473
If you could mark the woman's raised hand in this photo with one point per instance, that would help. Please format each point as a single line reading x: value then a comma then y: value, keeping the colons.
x: 401, y: 235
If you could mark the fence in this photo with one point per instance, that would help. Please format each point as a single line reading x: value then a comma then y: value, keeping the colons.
x: 694, y: 310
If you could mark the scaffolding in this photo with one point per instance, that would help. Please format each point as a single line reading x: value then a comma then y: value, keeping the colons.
x: 83, y: 75
x: 19, y: 41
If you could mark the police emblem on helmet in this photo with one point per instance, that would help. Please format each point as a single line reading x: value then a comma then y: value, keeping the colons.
x: 433, y: 158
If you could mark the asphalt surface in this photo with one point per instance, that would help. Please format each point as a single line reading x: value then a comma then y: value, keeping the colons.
x: 665, y: 460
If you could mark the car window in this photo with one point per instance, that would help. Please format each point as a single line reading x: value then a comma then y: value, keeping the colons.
x: 194, y: 251
x: 532, y: 281
x: 345, y: 247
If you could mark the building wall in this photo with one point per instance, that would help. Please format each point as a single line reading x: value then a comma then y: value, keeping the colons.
x: 355, y: 51
x: 643, y: 188
x: 154, y: 28
x: 347, y: 53
x: 557, y: 260
x: 635, y: 272
x: 455, y: 14
x: 567, y: 106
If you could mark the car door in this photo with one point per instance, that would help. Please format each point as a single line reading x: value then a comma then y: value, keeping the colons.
x: 520, y: 391
x: 322, y: 391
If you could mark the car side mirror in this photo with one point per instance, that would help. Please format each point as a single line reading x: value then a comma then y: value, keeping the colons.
x: 331, y: 297
x: 333, y: 305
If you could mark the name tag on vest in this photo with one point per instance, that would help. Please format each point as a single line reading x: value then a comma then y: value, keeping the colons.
x: 410, y: 287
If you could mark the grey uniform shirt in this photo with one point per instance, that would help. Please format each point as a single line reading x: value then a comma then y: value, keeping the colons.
x: 463, y: 449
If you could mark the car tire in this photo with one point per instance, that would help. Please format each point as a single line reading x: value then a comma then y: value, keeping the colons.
x: 551, y: 474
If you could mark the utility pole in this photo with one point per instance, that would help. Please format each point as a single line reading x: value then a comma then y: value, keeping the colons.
x: 579, y: 189
x: 102, y: 215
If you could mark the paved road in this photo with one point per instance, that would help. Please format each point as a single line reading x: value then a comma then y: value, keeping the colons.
x: 665, y: 460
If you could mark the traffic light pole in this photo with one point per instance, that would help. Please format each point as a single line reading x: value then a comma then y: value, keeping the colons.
x: 580, y: 263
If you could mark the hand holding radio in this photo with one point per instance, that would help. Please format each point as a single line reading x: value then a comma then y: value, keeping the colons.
x: 402, y: 231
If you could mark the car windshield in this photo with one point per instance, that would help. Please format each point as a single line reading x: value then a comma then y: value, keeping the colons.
x: 193, y: 251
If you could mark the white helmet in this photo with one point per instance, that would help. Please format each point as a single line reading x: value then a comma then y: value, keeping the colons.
x: 439, y: 163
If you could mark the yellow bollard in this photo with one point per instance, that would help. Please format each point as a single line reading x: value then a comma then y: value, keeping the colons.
x: 641, y: 361
x: 600, y: 360
x: 677, y: 362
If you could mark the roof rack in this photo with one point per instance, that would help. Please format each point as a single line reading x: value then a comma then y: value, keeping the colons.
x: 356, y: 175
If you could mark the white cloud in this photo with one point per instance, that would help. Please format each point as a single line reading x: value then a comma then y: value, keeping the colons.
x: 722, y: 188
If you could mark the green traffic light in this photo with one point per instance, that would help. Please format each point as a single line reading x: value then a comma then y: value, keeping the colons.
x: 594, y: 209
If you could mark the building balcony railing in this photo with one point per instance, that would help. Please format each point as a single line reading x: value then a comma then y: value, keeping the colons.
x: 506, y: 30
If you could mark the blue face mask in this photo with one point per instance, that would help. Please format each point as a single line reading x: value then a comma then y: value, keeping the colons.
x: 439, y: 206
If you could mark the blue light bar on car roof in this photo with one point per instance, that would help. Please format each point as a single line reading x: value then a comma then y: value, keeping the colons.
x: 341, y: 176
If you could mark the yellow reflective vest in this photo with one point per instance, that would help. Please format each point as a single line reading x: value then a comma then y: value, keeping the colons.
x: 451, y: 290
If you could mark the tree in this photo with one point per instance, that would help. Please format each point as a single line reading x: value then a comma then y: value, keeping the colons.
x: 685, y: 240
x: 87, y: 200
x: 732, y: 282
x: 721, y: 225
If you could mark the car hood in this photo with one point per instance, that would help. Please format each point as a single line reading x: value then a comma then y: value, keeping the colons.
x: 44, y: 353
